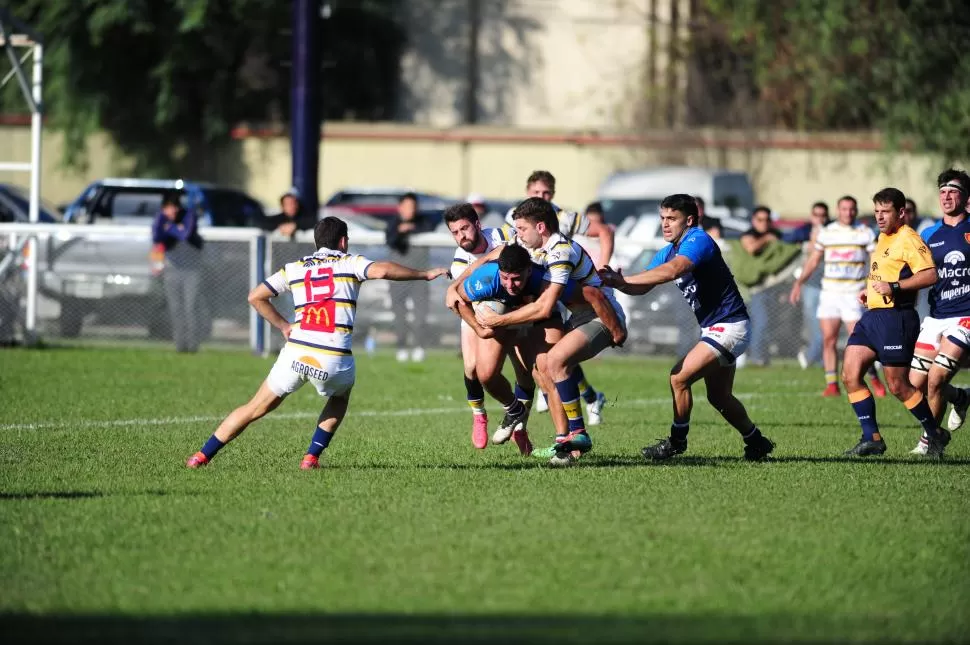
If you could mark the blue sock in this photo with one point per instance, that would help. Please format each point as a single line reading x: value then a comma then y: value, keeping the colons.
x: 865, y: 409
x: 919, y: 407
x: 585, y: 389
x: 321, y: 439
x: 679, y: 430
x: 569, y: 393
x: 525, y: 395
x: 211, y: 447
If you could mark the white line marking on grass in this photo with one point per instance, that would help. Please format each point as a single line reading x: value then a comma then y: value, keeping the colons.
x: 406, y: 412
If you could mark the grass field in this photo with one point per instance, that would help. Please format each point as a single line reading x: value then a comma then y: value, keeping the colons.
x: 410, y: 535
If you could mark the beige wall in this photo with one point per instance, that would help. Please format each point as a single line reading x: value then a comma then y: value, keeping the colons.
x: 789, y: 172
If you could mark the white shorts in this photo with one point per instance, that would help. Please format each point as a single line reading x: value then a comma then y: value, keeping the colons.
x: 844, y: 306
x: 330, y: 375
x: 727, y: 340
x: 932, y: 331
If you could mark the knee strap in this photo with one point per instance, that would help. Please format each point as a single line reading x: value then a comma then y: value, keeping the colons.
x: 950, y: 364
x: 921, y: 363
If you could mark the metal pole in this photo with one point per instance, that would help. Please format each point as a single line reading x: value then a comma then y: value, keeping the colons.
x: 36, y: 123
x: 305, y: 102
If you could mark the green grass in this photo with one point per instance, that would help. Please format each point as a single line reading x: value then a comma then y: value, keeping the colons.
x: 409, y: 534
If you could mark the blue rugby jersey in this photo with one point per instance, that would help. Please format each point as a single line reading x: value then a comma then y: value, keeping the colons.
x: 950, y: 248
x: 484, y: 284
x: 709, y: 288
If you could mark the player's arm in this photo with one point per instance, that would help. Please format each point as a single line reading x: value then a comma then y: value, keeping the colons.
x: 458, y: 301
x: 641, y: 283
x: 399, y: 272
x: 259, y: 298
x: 604, y: 232
x: 755, y: 245
x: 807, y: 269
x: 540, y: 309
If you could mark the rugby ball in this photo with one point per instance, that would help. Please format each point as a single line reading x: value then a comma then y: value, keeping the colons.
x: 496, y: 306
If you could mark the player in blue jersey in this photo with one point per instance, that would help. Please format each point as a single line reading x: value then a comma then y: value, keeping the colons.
x: 944, y: 337
x: 692, y: 260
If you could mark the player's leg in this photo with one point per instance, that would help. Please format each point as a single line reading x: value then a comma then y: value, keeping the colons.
x: 264, y: 401
x: 940, y: 392
x: 927, y: 346
x: 856, y: 361
x: 850, y: 310
x: 336, y: 384
x: 559, y: 370
x: 474, y: 392
x: 830, y: 354
x: 958, y: 337
x: 698, y: 362
x: 720, y: 394
x: 489, y: 358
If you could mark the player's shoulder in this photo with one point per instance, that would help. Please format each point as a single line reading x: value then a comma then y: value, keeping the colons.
x: 932, y: 230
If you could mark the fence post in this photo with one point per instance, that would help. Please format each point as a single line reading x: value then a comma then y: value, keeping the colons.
x: 257, y: 272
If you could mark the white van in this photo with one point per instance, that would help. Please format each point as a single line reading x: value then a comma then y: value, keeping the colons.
x: 627, y: 196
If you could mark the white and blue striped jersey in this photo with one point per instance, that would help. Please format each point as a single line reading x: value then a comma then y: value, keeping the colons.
x: 493, y: 237
x: 325, y: 286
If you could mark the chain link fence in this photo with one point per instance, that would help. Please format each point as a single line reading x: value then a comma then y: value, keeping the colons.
x: 102, y: 284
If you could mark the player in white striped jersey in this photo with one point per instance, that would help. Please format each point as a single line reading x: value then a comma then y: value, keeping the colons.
x: 591, y: 327
x: 542, y: 184
x: 474, y: 242
x: 844, y: 247
x: 318, y: 345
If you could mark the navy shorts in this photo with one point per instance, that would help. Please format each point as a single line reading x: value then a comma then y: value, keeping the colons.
x: 891, y: 333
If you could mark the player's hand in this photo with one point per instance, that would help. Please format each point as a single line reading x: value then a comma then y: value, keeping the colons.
x: 285, y: 330
x: 486, y: 317
x: 862, y: 298
x: 882, y: 288
x: 431, y: 274
x: 796, y: 294
x: 485, y: 332
x: 610, y: 277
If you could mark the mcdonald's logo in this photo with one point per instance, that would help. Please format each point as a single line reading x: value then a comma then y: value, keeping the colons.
x: 319, y: 317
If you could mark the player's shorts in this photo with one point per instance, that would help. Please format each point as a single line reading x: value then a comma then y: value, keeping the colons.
x: 932, y: 331
x: 727, y: 340
x: 891, y: 333
x: 296, y: 365
x: 839, y: 305
x: 585, y: 320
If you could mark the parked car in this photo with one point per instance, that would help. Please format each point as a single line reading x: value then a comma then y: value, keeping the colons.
x: 15, y: 206
x: 381, y: 202
x: 110, y: 276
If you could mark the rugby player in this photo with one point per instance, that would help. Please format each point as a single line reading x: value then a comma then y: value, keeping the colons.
x: 473, y: 242
x: 944, y: 336
x: 593, y: 326
x: 899, y: 267
x: 542, y: 184
x: 843, y: 246
x: 692, y: 260
x: 324, y: 286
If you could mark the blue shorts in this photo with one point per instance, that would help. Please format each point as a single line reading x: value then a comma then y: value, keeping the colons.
x: 891, y: 333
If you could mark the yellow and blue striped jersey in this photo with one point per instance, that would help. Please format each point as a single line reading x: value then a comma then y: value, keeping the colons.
x: 493, y: 236
x: 325, y: 286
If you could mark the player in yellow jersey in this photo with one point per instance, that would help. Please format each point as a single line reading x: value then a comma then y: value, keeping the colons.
x: 900, y: 266
x: 318, y: 345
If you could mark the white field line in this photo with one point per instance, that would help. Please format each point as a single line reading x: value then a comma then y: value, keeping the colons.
x: 406, y: 412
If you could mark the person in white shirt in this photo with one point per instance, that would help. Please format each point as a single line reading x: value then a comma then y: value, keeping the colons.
x: 318, y: 345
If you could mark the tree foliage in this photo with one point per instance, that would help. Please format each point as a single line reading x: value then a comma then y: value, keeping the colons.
x: 898, y: 66
x: 165, y: 78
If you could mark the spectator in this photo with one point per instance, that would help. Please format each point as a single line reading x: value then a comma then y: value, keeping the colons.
x: 176, y: 238
x: 291, y: 217
x: 755, y: 242
x: 711, y: 225
x: 402, y: 226
x: 594, y: 213
x: 811, y: 290
x: 910, y: 217
x: 479, y: 204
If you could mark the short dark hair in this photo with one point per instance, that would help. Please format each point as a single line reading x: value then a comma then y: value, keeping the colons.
x: 407, y: 196
x: 682, y: 203
x: 848, y: 198
x: 457, y: 212
x: 821, y: 205
x: 328, y: 232
x: 544, y: 176
x: 910, y: 202
x: 514, y: 259
x: 892, y: 196
x: 536, y: 209
x: 761, y: 209
x: 173, y: 197
x: 951, y: 174
x: 699, y: 200
x: 595, y: 207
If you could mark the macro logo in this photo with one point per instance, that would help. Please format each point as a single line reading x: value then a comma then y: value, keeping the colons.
x: 952, y: 268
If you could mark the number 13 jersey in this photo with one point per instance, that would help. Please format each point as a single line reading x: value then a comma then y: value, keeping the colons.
x: 324, y: 287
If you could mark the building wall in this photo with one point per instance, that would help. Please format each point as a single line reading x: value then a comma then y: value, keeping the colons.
x: 789, y: 172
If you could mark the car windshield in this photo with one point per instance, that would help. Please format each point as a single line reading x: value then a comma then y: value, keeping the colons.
x: 617, y: 210
x: 371, y: 199
x: 21, y: 197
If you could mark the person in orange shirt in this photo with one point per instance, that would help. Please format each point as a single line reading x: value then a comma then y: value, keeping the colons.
x: 900, y: 266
